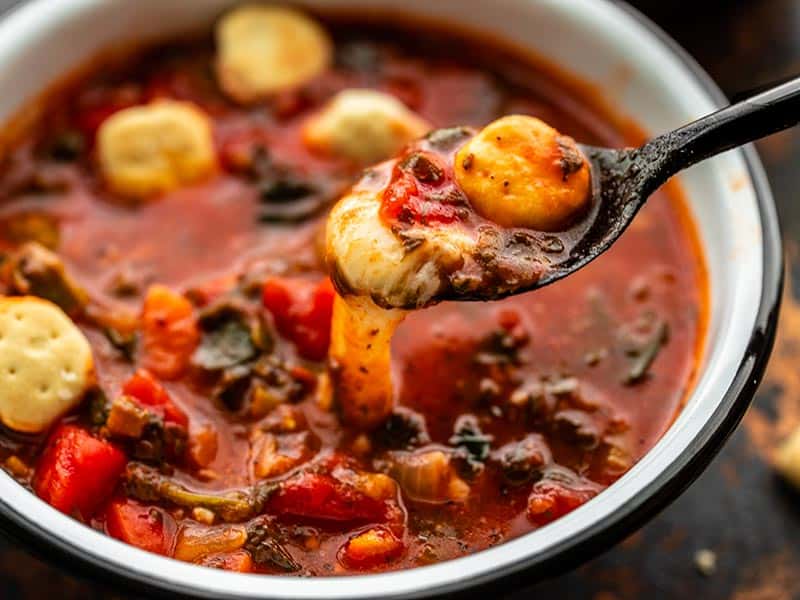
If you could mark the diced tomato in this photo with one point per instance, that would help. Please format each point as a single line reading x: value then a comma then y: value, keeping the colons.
x: 169, y: 332
x: 372, y: 548
x: 239, y: 561
x: 302, y: 311
x: 77, y: 471
x: 150, y: 393
x: 236, y: 151
x: 551, y: 500
x: 145, y: 527
x: 409, y: 201
x: 321, y: 497
x: 397, y: 198
x: 97, y: 105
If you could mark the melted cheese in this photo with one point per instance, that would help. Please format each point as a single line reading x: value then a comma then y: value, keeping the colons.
x: 360, y: 353
x: 371, y: 260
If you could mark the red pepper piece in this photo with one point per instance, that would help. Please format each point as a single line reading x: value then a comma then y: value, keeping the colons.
x: 145, y: 527
x: 77, y: 471
x: 321, y: 497
x: 415, y: 195
x: 150, y: 393
x: 302, y: 311
x: 551, y: 500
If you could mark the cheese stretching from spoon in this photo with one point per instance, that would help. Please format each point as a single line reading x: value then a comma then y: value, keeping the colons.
x: 459, y: 215
x: 360, y: 354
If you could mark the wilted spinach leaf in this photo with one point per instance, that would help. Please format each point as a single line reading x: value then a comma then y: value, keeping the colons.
x: 225, y: 346
x: 468, y: 435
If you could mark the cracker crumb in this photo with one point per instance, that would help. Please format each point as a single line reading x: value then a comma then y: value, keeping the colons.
x: 705, y: 561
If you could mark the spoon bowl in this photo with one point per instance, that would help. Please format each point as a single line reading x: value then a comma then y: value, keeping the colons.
x: 623, y: 180
x: 421, y: 261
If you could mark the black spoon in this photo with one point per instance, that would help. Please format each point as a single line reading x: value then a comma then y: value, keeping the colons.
x: 504, y: 262
x: 625, y: 179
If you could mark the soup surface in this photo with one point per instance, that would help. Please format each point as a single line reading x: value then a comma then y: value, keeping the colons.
x: 211, y: 434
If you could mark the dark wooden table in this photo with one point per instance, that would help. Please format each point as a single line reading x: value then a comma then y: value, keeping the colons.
x: 738, y: 509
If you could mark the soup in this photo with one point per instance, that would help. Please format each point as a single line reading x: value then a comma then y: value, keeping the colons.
x: 172, y: 207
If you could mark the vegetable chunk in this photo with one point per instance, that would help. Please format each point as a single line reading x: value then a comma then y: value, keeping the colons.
x: 45, y: 361
x: 302, y: 311
x: 33, y: 270
x: 370, y: 549
x: 238, y: 561
x: 429, y: 477
x: 264, y: 49
x: 144, y: 388
x: 196, y: 542
x: 150, y: 150
x: 145, y: 527
x: 77, y: 471
x: 558, y: 493
x: 325, y: 498
x: 170, y: 332
x: 363, y: 126
x: 520, y: 172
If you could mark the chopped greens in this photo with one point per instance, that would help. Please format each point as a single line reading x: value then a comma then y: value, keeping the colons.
x: 286, y: 189
x: 499, y: 347
x: 259, y: 386
x: 468, y: 435
x: 149, y: 485
x: 125, y: 342
x: 226, y: 346
x: 67, y: 146
x: 97, y: 407
x: 403, y: 430
x: 644, y: 355
x: 266, y: 550
x: 231, y: 336
x: 286, y: 196
x: 161, y: 440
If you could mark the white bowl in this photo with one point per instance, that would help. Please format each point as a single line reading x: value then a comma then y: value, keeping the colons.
x: 599, y: 41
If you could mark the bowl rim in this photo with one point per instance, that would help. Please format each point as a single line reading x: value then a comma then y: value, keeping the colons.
x: 591, y: 540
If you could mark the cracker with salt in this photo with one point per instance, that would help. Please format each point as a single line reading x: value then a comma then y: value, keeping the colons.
x: 263, y: 50
x: 363, y: 126
x: 46, y: 363
x: 149, y: 150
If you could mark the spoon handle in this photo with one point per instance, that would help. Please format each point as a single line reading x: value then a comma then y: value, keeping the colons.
x: 766, y: 113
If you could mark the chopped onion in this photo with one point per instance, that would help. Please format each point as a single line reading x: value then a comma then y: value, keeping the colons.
x: 428, y: 477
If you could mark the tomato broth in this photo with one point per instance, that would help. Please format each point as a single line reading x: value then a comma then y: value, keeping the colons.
x: 537, y: 402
